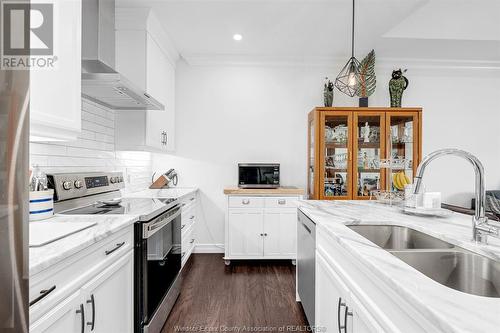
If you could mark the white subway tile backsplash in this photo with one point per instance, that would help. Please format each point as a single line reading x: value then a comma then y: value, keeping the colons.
x: 94, y: 150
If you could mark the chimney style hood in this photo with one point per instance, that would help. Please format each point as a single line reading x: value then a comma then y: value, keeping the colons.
x: 100, y: 82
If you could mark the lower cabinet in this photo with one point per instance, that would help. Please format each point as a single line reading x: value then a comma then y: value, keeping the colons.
x: 102, y: 305
x: 63, y: 318
x: 257, y: 228
x: 90, y: 291
x: 351, y: 299
x: 337, y: 310
x: 108, y: 305
x: 189, y: 216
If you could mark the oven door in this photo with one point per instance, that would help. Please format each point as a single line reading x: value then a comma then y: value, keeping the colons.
x: 160, y: 256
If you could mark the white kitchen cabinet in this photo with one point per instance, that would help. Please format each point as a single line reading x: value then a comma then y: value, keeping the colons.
x: 331, y: 297
x: 102, y: 272
x: 55, y: 93
x: 143, y: 56
x: 261, y: 227
x: 336, y: 308
x: 108, y: 305
x: 372, y: 306
x: 246, y: 231
x: 63, y: 318
x: 280, y: 232
x: 189, y: 213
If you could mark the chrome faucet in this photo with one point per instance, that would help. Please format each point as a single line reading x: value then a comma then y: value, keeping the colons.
x: 480, y: 226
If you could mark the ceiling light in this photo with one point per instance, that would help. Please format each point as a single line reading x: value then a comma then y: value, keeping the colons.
x: 349, y: 80
x: 237, y: 37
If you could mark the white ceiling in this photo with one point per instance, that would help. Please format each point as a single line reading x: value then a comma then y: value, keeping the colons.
x: 416, y: 29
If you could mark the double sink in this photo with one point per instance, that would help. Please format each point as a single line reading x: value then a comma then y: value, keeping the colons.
x: 445, y: 263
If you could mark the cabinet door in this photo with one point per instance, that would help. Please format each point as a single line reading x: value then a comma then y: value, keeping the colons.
x: 280, y: 233
x: 155, y: 83
x: 109, y: 298
x: 331, y: 297
x: 246, y: 229
x: 55, y: 105
x: 369, y: 149
x: 403, y: 146
x: 360, y: 320
x: 336, y: 155
x: 63, y: 318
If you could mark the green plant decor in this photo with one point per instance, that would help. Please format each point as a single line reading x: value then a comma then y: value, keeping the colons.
x: 367, y: 75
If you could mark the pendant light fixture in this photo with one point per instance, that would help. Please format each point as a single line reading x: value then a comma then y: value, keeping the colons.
x: 349, y: 80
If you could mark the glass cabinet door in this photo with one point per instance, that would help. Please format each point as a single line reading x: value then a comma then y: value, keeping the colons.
x: 369, y: 149
x: 402, y: 132
x: 336, y: 149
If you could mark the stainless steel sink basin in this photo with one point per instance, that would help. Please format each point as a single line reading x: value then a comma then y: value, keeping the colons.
x: 461, y: 270
x: 391, y: 237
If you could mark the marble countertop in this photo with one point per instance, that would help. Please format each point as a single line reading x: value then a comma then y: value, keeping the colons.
x: 172, y: 192
x: 446, y: 308
x: 45, y: 256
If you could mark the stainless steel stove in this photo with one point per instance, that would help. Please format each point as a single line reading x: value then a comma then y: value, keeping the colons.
x: 157, y: 238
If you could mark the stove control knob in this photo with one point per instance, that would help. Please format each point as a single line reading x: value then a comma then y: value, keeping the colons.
x: 78, y: 184
x: 112, y: 180
x: 67, y: 185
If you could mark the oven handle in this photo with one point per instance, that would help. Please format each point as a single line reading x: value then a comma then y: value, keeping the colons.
x: 150, y: 229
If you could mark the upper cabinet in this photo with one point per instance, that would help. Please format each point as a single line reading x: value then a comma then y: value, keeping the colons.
x: 354, y: 151
x: 55, y: 92
x: 146, y: 56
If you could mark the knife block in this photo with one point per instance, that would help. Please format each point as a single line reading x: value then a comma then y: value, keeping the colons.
x: 159, y: 183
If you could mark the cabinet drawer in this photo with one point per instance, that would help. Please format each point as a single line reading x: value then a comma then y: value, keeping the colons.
x: 67, y: 276
x: 188, y: 239
x: 281, y: 202
x: 246, y: 202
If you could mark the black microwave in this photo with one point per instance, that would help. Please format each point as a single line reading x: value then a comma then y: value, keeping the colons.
x: 258, y: 175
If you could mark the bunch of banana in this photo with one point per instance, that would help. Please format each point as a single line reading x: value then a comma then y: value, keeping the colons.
x: 400, y: 179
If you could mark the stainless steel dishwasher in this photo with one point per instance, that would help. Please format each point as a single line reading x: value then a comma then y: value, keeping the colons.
x: 306, y: 264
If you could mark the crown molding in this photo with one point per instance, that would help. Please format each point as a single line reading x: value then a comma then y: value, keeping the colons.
x: 336, y: 62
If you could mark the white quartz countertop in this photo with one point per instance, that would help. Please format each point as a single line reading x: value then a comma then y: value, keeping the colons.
x: 45, y: 256
x: 446, y: 308
x: 173, y: 192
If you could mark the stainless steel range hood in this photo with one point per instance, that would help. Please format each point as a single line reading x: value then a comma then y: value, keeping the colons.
x: 100, y: 82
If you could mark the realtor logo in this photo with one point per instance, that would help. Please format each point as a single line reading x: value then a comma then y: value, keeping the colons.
x: 27, y: 35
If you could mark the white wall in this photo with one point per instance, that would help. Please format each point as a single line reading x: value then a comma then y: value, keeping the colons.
x: 231, y: 114
x: 94, y: 150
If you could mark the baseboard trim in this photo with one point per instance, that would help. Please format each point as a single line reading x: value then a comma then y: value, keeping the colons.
x: 209, y: 248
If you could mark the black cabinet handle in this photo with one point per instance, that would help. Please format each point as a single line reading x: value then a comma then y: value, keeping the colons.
x: 306, y: 227
x: 116, y: 248
x: 43, y: 293
x: 191, y: 217
x: 92, y: 301
x: 182, y: 226
x: 81, y: 311
x: 347, y: 313
x: 340, y: 305
x: 192, y: 241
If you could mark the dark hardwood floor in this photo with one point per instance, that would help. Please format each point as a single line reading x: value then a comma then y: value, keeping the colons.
x: 247, y: 296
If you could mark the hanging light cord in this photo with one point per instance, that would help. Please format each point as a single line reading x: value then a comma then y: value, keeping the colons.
x: 352, y: 40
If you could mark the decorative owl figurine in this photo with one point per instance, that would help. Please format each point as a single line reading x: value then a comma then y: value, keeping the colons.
x: 328, y: 93
x: 397, y: 85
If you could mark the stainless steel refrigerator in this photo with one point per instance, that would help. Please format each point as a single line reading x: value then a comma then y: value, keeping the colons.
x: 14, y: 177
